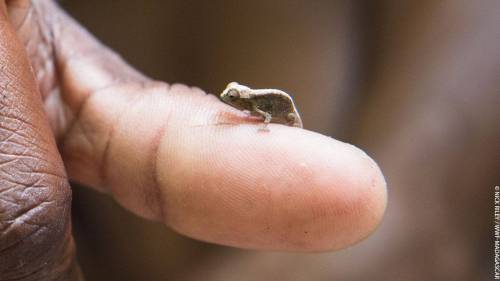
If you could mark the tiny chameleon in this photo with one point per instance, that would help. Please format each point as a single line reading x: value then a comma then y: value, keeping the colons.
x: 275, y: 106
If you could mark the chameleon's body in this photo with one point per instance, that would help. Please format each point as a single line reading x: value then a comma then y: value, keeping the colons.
x: 273, y: 105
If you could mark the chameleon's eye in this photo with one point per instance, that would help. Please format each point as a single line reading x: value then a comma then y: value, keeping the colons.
x: 233, y: 94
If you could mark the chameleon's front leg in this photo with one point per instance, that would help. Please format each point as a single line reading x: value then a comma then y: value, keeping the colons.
x: 267, y: 116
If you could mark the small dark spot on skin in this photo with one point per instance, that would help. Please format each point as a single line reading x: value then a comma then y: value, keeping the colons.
x: 306, y: 232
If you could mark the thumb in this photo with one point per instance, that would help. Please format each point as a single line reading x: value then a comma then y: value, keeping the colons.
x: 172, y: 153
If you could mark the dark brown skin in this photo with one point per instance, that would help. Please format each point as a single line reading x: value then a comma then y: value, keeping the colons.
x: 140, y: 141
x: 35, y: 197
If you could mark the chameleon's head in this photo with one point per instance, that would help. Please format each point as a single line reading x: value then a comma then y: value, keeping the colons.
x: 233, y: 93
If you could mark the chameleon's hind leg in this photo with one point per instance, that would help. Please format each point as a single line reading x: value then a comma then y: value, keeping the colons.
x: 291, y: 117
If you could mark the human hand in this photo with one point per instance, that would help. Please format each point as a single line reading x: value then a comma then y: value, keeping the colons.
x: 166, y: 152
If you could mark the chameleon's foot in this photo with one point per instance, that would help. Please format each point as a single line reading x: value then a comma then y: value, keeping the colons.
x: 267, y: 120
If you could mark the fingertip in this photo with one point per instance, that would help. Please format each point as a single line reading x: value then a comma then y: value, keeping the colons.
x: 359, y: 198
x: 344, y: 193
x: 284, y: 189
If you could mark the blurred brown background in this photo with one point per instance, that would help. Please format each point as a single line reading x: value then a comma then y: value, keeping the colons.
x: 414, y: 83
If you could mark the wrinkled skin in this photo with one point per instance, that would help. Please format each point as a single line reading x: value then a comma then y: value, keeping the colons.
x: 121, y: 133
x: 35, y: 230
